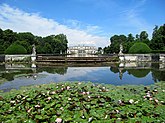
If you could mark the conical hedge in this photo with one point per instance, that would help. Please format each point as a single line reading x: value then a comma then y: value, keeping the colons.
x: 139, y: 48
x: 15, y: 49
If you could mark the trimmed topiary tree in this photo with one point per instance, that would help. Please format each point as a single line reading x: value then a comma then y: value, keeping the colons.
x: 139, y: 47
x: 15, y: 49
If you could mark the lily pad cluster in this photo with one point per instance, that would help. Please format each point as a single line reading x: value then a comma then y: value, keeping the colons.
x: 84, y: 102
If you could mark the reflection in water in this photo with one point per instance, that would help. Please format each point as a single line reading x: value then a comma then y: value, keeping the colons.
x: 139, y: 73
x: 15, y: 76
x: 158, y: 75
x: 10, y: 74
x: 141, y: 70
x: 54, y: 70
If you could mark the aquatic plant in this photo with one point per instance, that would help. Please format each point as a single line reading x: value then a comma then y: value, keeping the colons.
x: 84, y: 102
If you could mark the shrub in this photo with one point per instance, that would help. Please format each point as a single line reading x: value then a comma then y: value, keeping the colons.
x: 15, y: 49
x: 139, y: 48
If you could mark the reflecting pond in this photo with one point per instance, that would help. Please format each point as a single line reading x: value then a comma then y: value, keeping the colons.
x: 13, y: 76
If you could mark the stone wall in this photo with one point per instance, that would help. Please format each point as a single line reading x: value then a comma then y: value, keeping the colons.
x: 130, y: 57
x: 142, y: 57
x: 162, y: 57
x: 12, y: 58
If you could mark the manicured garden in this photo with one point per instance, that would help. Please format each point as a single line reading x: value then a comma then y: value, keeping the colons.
x: 84, y: 102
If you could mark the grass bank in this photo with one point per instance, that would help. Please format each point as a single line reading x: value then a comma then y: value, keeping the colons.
x: 84, y: 102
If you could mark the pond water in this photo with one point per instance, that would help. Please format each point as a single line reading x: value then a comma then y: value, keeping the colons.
x: 13, y: 76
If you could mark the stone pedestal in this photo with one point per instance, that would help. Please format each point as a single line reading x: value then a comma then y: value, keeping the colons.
x: 33, y: 58
x: 33, y: 65
x: 121, y: 57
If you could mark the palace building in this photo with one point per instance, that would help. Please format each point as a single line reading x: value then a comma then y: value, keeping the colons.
x: 82, y: 49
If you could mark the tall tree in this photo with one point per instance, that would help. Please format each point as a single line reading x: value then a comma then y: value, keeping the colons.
x: 130, y: 38
x: 144, y: 37
x: 1, y: 37
x: 9, y: 36
x: 158, y: 38
x: 128, y: 44
x: 137, y: 37
x: 62, y: 42
x: 27, y: 36
x: 47, y: 49
x: 116, y: 40
x: 27, y: 39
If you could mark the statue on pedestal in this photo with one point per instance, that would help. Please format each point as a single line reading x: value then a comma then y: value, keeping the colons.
x: 33, y: 49
x: 33, y: 56
x: 121, y: 49
x: 121, y: 55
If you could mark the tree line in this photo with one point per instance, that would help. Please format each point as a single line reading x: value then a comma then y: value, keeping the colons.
x: 52, y: 44
x: 156, y: 43
x: 56, y: 44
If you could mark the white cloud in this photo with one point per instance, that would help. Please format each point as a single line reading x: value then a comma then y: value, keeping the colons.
x: 20, y: 21
x: 76, y: 72
x: 90, y: 29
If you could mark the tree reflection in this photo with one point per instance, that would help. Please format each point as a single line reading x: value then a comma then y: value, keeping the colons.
x: 9, y: 75
x: 158, y: 75
x: 139, y: 73
x: 2, y: 67
x: 114, y: 69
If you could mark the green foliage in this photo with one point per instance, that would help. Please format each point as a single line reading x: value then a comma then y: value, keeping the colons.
x: 116, y: 40
x: 156, y: 43
x: 158, y: 38
x: 143, y: 35
x: 53, y: 44
x: 15, y: 49
x: 158, y: 75
x: 127, y: 46
x: 130, y: 38
x: 26, y: 45
x: 84, y: 102
x: 9, y: 36
x: 139, y: 47
x: 1, y: 49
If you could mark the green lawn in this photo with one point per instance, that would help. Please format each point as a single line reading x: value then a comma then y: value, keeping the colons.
x: 84, y: 102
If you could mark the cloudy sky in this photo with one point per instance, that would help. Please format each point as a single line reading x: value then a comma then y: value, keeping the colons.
x: 89, y: 22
